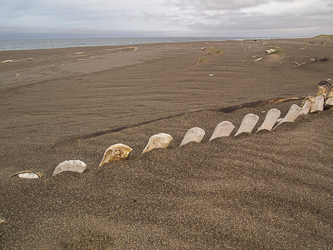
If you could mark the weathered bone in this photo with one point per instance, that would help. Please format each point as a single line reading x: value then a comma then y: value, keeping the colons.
x: 292, y: 114
x: 270, y: 119
x: 71, y: 165
x: 318, y: 105
x: 324, y: 87
x: 323, y: 90
x: 222, y: 129
x: 193, y: 135
x: 28, y: 176
x: 329, y: 100
x: 306, y: 105
x: 115, y: 152
x: 248, y: 123
x: 161, y: 140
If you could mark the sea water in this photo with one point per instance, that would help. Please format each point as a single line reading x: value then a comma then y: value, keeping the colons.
x: 29, y: 44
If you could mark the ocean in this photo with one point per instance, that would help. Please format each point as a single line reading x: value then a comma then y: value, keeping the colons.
x: 29, y: 44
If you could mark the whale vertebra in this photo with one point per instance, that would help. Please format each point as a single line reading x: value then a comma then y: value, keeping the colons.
x: 193, y: 135
x: 248, y: 123
x: 71, y: 165
x: 318, y: 104
x: 160, y: 140
x: 222, y: 129
x: 292, y: 114
x: 270, y: 119
x: 115, y: 152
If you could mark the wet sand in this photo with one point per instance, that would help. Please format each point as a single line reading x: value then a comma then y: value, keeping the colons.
x: 270, y: 190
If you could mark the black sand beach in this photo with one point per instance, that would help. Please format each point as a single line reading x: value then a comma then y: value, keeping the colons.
x: 270, y: 190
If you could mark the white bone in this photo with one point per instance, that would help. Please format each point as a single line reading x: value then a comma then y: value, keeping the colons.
x: 193, y: 135
x: 329, y: 97
x: 318, y: 105
x: 306, y: 106
x: 161, y: 140
x: 248, y: 123
x: 270, y: 119
x: 222, y: 129
x: 28, y: 176
x: 292, y: 114
x: 115, y: 152
x: 329, y: 102
x: 71, y: 165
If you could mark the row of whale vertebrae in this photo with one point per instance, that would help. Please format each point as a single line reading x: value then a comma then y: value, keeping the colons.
x: 324, y: 99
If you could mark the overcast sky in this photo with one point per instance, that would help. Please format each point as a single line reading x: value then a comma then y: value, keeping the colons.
x: 120, y: 18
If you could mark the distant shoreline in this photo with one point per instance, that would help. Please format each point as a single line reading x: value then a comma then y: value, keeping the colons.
x: 34, y: 44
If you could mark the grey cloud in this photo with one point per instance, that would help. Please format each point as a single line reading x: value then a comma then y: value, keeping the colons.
x: 228, y: 16
x: 261, y: 23
x: 219, y: 4
x: 190, y: 17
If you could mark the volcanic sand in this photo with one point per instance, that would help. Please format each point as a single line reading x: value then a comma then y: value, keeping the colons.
x: 270, y: 190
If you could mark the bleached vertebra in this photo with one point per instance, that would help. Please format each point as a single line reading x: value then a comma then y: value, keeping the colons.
x: 193, y: 135
x: 329, y: 102
x: 318, y: 104
x: 270, y: 119
x: 160, y: 140
x: 28, y: 176
x: 248, y: 123
x: 222, y: 129
x: 329, y: 96
x: 306, y: 105
x: 71, y: 165
x: 292, y: 114
x: 115, y: 152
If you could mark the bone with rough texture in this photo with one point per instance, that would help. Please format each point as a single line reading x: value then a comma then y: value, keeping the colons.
x: 161, y: 140
x: 222, y: 129
x: 71, y: 165
x: 115, y: 152
x: 193, y: 135
x: 324, y: 88
x: 292, y: 114
x: 318, y: 104
x: 270, y: 120
x: 306, y: 105
x: 248, y: 123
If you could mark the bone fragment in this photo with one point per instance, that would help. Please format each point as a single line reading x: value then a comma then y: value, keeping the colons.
x: 323, y: 90
x: 71, y: 165
x: 222, y: 129
x: 270, y: 119
x: 324, y: 87
x: 115, y: 152
x: 306, y: 105
x: 329, y: 100
x: 292, y: 114
x: 270, y: 51
x: 193, y: 135
x: 318, y: 104
x: 248, y: 123
x: 161, y: 140
x: 28, y: 176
